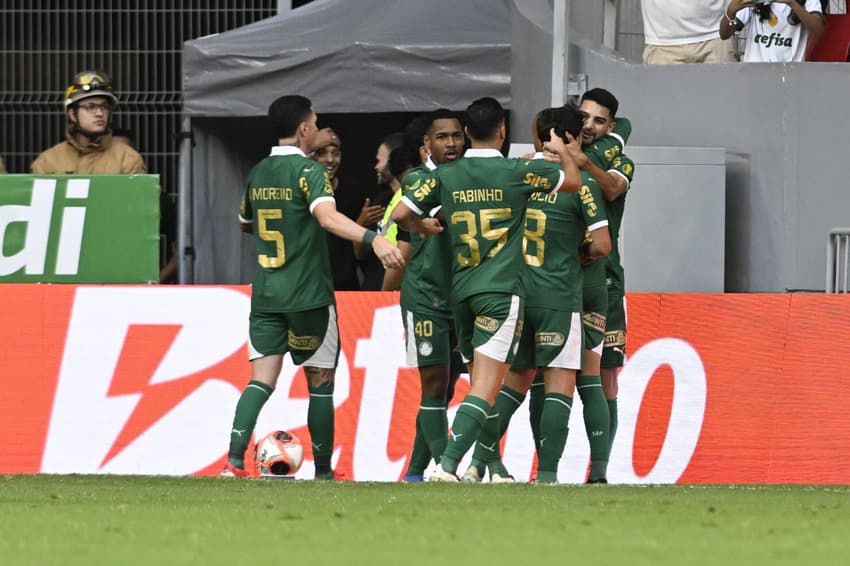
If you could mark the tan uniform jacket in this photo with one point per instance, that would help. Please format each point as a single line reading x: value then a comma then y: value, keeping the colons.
x: 103, y: 158
x: 2, y: 167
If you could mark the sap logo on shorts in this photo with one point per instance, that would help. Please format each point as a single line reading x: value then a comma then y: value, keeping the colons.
x: 426, y: 348
x: 33, y: 241
x: 594, y: 320
x: 615, y: 338
x: 303, y: 342
x: 487, y: 323
x: 549, y: 339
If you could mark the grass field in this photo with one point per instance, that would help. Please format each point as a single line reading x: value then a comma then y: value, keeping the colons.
x: 159, y: 520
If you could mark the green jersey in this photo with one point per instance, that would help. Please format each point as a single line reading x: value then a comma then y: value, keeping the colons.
x: 294, y: 272
x: 615, y: 276
x: 484, y: 197
x: 554, y: 229
x: 427, y: 282
x: 602, y: 153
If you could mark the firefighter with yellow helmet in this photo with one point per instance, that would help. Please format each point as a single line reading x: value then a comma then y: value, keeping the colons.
x: 88, y: 148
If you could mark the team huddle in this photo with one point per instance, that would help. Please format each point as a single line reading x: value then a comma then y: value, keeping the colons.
x: 511, y: 273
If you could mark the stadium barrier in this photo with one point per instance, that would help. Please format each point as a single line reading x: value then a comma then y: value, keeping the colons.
x: 144, y: 380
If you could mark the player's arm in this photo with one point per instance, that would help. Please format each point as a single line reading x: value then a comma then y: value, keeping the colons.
x: 340, y: 225
x: 420, y: 197
x: 246, y: 223
x: 598, y: 243
x: 393, y: 276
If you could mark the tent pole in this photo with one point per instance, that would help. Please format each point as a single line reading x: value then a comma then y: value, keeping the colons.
x: 185, y: 246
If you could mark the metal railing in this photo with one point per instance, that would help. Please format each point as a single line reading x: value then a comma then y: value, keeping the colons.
x: 838, y: 260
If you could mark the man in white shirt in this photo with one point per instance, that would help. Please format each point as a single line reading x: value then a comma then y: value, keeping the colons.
x: 684, y: 31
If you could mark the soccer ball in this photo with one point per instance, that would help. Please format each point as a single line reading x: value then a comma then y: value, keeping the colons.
x: 278, y: 453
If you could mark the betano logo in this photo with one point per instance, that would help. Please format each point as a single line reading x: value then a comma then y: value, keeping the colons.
x: 150, y: 377
x: 38, y: 217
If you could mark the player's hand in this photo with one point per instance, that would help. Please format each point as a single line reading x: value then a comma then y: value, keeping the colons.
x: 370, y: 214
x: 431, y: 227
x: 388, y: 253
x: 555, y: 143
x: 574, y: 149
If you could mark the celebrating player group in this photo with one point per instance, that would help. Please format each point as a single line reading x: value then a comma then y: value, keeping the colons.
x: 510, y: 271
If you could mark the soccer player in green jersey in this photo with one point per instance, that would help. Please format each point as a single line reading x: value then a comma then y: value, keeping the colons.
x: 426, y: 313
x: 287, y: 204
x: 552, y: 334
x: 484, y: 198
x: 605, y: 317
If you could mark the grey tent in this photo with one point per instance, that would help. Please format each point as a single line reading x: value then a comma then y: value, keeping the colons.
x: 348, y: 56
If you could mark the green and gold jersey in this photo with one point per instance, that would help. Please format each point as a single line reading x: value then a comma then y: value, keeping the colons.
x: 555, y: 227
x: 602, y: 153
x: 484, y: 197
x: 615, y: 276
x: 294, y: 272
x: 427, y: 282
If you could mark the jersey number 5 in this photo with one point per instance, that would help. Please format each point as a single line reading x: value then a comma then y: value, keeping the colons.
x: 263, y: 216
x: 469, y: 238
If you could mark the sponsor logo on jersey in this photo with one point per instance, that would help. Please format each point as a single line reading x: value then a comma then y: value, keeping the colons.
x: 487, y: 323
x: 773, y: 40
x: 303, y: 342
x: 549, y: 339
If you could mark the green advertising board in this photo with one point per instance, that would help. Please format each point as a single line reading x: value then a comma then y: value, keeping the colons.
x: 79, y: 228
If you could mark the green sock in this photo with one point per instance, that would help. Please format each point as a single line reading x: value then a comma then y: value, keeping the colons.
x: 435, y: 426
x: 469, y: 420
x: 535, y: 407
x: 507, y: 402
x: 612, y: 419
x: 595, y: 423
x: 251, y: 402
x: 320, y: 423
x: 553, y: 433
x: 421, y: 454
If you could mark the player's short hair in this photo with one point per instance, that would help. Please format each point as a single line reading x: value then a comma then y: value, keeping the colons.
x: 566, y: 118
x: 414, y: 138
x: 442, y: 114
x: 393, y: 140
x: 287, y: 112
x: 400, y: 161
x: 604, y: 98
x: 483, y: 118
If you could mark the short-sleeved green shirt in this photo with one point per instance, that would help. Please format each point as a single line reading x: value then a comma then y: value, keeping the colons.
x: 294, y: 272
x: 554, y: 229
x: 427, y: 282
x: 602, y: 153
x: 484, y: 197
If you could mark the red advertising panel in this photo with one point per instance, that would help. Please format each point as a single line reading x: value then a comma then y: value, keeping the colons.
x: 144, y: 380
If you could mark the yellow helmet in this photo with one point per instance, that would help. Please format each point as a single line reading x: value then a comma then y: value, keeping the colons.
x: 87, y: 84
